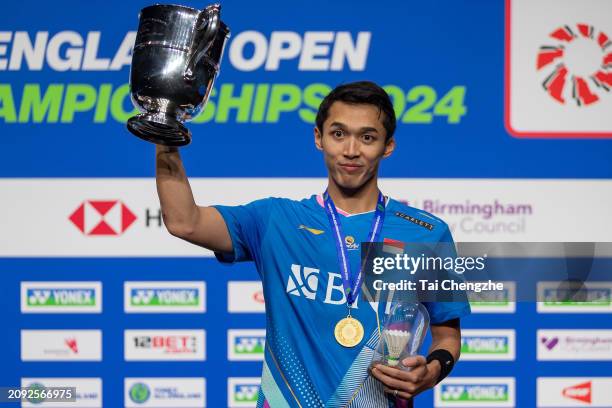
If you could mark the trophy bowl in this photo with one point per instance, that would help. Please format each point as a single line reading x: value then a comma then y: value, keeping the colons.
x: 402, y: 334
x: 175, y: 62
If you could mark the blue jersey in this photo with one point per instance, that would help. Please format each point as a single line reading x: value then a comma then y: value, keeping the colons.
x: 295, y: 254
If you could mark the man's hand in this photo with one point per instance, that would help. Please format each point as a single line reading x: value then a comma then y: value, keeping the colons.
x: 421, y: 377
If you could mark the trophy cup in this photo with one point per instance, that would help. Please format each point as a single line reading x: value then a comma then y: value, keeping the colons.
x: 174, y: 65
x: 403, y: 333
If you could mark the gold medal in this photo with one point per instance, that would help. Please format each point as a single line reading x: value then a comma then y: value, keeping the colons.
x: 349, y: 332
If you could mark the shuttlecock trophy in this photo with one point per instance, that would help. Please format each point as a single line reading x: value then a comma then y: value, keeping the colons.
x: 403, y: 333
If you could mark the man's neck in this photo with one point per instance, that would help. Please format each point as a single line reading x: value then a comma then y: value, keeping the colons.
x: 354, y: 201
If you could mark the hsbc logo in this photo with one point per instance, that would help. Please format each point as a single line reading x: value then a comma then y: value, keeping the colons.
x: 102, y: 217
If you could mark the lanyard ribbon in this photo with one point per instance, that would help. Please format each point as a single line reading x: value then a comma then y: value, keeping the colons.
x: 351, y: 284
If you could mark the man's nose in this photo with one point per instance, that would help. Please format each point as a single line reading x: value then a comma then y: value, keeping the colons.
x: 351, y: 147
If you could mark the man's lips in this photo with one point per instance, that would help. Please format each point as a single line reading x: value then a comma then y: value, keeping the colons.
x: 351, y: 167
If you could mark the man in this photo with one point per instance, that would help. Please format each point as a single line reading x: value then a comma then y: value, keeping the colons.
x: 314, y: 356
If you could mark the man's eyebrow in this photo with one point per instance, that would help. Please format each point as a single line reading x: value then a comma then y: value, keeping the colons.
x: 362, y: 130
x: 337, y: 124
x: 368, y: 129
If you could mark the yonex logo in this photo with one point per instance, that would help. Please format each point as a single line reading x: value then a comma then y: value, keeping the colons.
x: 484, y: 344
x: 142, y: 297
x: 584, y: 297
x: 164, y: 296
x: 303, y: 281
x: 246, y: 393
x: 242, y: 391
x: 246, y: 344
x: 61, y: 297
x: 249, y: 345
x: 474, y: 393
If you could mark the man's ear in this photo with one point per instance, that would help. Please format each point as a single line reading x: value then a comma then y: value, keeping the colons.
x: 389, y: 147
x: 318, y: 138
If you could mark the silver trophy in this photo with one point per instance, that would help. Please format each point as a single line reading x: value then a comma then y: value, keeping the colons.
x: 174, y: 65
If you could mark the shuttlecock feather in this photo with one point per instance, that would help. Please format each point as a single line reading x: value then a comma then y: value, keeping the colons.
x: 396, y: 341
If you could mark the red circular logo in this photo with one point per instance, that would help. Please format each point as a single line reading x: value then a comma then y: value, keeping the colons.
x: 578, y: 66
x: 258, y: 296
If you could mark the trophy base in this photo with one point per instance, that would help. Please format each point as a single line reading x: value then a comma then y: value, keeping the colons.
x: 160, y: 129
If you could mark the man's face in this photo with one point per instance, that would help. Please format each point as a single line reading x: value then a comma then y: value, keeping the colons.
x: 353, y: 143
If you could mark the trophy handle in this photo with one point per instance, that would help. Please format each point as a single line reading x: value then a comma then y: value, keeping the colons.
x: 211, y: 24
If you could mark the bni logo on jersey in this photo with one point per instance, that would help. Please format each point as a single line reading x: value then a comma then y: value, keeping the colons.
x: 242, y: 391
x: 475, y: 391
x: 494, y: 345
x: 246, y: 344
x: 61, y: 297
x: 303, y: 281
x: 164, y: 297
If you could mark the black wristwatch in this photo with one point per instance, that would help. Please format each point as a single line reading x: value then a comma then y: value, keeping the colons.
x: 446, y: 360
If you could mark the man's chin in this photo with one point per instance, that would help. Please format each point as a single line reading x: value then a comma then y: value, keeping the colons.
x: 350, y: 182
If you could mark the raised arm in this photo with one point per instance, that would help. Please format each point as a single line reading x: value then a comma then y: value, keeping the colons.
x: 199, y: 225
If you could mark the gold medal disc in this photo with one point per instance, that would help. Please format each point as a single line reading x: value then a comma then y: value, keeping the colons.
x: 349, y: 332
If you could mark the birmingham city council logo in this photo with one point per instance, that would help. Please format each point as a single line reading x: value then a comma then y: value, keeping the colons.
x: 580, y: 62
x: 102, y: 217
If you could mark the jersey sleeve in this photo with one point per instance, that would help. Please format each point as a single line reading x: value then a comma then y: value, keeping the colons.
x: 246, y: 227
x: 440, y: 312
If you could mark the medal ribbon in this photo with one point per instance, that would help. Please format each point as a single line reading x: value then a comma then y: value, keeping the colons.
x: 351, y: 284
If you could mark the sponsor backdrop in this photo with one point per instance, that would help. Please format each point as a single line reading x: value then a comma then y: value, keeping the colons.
x: 503, y: 130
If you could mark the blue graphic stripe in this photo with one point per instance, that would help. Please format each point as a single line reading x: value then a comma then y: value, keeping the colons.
x: 370, y: 394
x: 357, y: 375
x: 270, y: 389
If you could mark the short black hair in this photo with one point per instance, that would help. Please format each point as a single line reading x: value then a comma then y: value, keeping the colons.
x: 361, y: 92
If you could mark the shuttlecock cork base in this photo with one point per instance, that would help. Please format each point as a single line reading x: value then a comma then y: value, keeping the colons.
x: 396, y: 341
